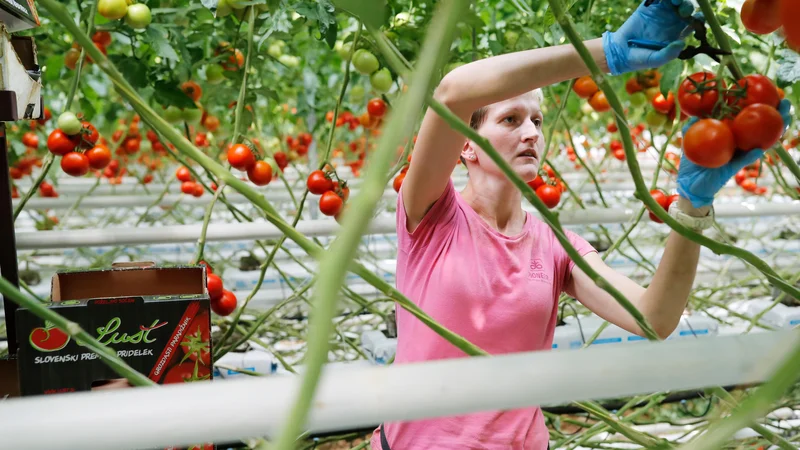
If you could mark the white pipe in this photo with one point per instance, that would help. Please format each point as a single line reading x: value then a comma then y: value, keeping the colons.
x: 356, y: 397
x: 30, y: 240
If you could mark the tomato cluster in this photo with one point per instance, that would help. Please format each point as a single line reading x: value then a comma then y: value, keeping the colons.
x: 586, y: 88
x: 767, y: 16
x: 333, y: 194
x: 76, y: 141
x: 366, y: 63
x: 223, y: 301
x: 663, y: 200
x: 746, y: 179
x: 741, y: 117
x: 136, y: 15
x: 241, y: 157
x: 549, y: 192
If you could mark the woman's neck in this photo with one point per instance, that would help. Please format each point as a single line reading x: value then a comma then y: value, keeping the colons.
x: 498, y: 203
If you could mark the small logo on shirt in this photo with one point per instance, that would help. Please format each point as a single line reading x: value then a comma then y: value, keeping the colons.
x: 536, y: 270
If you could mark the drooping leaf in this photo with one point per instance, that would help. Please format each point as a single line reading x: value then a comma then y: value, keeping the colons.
x: 168, y: 93
x: 788, y: 66
x: 132, y: 69
x: 371, y: 12
x: 155, y: 35
x: 670, y: 73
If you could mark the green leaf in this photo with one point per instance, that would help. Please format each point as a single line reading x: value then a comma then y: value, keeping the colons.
x: 670, y: 73
x: 371, y: 12
x: 156, y: 36
x: 788, y: 66
x: 132, y: 69
x: 168, y: 93
x: 53, y: 65
x: 550, y: 18
x: 87, y: 109
x: 278, y: 22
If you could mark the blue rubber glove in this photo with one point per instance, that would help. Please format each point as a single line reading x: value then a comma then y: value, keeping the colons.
x: 699, y: 184
x: 659, y: 22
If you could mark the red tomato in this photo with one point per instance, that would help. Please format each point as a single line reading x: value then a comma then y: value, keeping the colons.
x: 612, y: 127
x: 549, y: 195
x: 195, y: 342
x: 260, y: 174
x: 184, y: 372
x: 330, y: 203
x: 30, y: 140
x: 241, y: 157
x: 661, y: 198
x: 192, y: 89
x: 183, y: 174
x: 214, y: 285
x: 709, y: 143
x: 664, y: 105
x: 757, y: 126
x: 46, y: 189
x: 536, y: 182
x: 748, y: 185
x: 741, y: 175
x: 616, y: 145
x: 376, y: 107
x: 99, y: 157
x: 761, y: 16
x: 188, y: 187
x: 198, y: 190
x: 59, y: 143
x: 317, y: 183
x: 790, y: 11
x: 754, y: 88
x: 599, y: 102
x: 75, y: 164
x: 281, y: 160
x: 398, y: 181
x: 632, y: 86
x: 698, y: 94
x: 585, y: 87
x: 619, y: 154
x: 225, y: 305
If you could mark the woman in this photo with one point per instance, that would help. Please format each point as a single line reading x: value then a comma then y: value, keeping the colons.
x: 486, y: 269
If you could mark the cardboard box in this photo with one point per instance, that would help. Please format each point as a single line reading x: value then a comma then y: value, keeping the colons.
x: 157, y: 319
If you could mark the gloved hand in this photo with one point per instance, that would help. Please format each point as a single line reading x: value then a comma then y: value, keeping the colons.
x: 660, y: 22
x: 699, y: 184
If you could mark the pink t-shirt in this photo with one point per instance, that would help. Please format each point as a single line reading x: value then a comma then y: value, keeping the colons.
x: 499, y: 292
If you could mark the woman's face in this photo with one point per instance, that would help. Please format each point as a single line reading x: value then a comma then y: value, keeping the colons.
x: 514, y: 128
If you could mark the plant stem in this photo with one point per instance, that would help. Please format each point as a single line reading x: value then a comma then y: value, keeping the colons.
x: 201, y: 242
x: 48, y: 161
x: 251, y: 26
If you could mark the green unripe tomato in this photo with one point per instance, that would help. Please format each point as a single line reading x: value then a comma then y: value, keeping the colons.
x: 638, y: 99
x: 357, y: 93
x: 365, y: 62
x: 655, y: 119
x: 215, y: 74
x: 138, y: 16
x: 112, y: 9
x: 381, y: 80
x: 511, y: 37
x: 69, y: 123
x: 192, y: 116
x: 224, y: 8
x: 173, y: 114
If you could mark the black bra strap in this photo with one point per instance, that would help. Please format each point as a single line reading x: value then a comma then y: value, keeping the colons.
x: 384, y: 442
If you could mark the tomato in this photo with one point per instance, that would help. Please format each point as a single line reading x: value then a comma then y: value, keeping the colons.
x: 241, y: 157
x: 75, y: 164
x: 344, y: 189
x: 612, y: 127
x: 192, y: 116
x: 60, y: 144
x: 173, y: 114
x: 536, y: 182
x: 330, y: 203
x: 398, y: 181
x: 376, y: 107
x: 381, y: 80
x: 225, y: 305
x: 664, y: 105
x: 761, y: 16
x: 638, y: 99
x: 675, y: 160
x: 183, y: 174
x: 317, y: 183
x: 748, y: 185
x: 46, y: 189
x: 68, y: 123
x: 260, y: 174
x: 214, y: 285
x: 655, y: 119
x: 185, y: 372
x: 661, y: 198
x: 188, y: 187
x: 650, y: 78
x: 632, y: 86
x: 112, y: 9
x: 195, y: 343
x: 138, y: 16
x: 365, y: 62
x: 132, y: 145
x: 549, y: 195
x: 99, y: 157
x: 651, y: 93
x: 757, y: 89
x: 215, y: 74
x: 585, y: 87
x: 192, y: 89
x: 619, y: 154
x: 211, y: 123
x: 698, y: 94
x: 102, y: 38
x: 281, y: 160
x: 89, y: 135
x: 709, y: 143
x: 790, y: 11
x: 757, y: 126
x: 599, y: 102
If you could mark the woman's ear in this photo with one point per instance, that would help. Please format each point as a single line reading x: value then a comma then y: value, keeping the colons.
x: 468, y: 152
